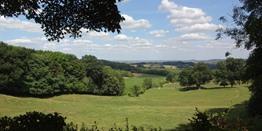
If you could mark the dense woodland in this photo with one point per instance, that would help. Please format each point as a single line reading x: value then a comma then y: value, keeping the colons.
x: 44, y: 73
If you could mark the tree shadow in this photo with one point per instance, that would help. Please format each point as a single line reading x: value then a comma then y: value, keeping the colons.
x: 236, y: 112
x: 219, y: 87
x: 191, y: 88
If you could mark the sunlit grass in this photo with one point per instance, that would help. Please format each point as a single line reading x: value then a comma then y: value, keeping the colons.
x: 160, y: 107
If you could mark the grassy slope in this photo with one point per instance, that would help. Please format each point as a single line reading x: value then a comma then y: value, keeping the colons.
x: 166, y: 107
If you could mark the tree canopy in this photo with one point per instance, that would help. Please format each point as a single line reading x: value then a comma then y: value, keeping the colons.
x: 44, y: 73
x: 247, y: 32
x: 66, y: 17
x: 230, y: 71
x: 197, y: 75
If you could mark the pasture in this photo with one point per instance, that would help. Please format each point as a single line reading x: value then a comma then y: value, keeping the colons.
x: 165, y: 107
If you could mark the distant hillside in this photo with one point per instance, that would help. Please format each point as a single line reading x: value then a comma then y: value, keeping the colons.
x: 118, y: 65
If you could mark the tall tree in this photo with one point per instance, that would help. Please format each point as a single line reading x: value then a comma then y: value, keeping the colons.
x: 197, y: 75
x: 230, y: 71
x: 61, y: 17
x: 201, y: 74
x: 247, y: 32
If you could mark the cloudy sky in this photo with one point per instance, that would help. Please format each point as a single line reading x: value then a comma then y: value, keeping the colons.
x: 153, y: 30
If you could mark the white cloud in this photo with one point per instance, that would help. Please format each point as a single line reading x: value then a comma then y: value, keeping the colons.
x: 193, y: 37
x: 121, y: 37
x: 102, y: 35
x: 159, y: 33
x: 199, y: 27
x: 186, y: 19
x: 21, y: 40
x: 131, y: 23
x: 13, y: 23
x: 132, y: 41
x: 134, y: 48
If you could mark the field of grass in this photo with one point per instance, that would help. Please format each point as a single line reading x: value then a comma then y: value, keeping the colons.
x: 138, y: 80
x: 160, y: 107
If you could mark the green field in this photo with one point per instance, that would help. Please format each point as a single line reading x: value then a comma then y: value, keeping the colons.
x: 160, y: 107
x: 138, y: 80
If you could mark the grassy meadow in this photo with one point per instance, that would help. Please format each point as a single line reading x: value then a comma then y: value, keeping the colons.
x: 165, y: 107
x: 138, y: 80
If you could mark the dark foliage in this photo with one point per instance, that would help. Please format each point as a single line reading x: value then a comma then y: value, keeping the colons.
x: 61, y: 17
x: 200, y: 122
x: 247, y: 32
x: 33, y: 121
x: 161, y: 72
x: 95, y: 127
x: 208, y: 121
x: 118, y: 65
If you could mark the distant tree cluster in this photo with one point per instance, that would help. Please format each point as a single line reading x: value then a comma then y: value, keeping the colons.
x: 161, y: 72
x: 228, y: 72
x: 197, y: 75
x: 43, y: 73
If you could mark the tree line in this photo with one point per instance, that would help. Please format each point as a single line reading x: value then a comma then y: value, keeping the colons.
x: 43, y: 73
x: 228, y: 72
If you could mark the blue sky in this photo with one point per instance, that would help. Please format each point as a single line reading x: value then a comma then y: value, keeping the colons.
x: 153, y: 30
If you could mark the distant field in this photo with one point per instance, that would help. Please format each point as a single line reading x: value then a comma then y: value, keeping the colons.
x: 138, y: 80
x: 166, y: 107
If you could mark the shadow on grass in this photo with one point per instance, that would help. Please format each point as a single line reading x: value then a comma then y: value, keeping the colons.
x: 235, y: 113
x: 204, y: 88
x: 191, y: 88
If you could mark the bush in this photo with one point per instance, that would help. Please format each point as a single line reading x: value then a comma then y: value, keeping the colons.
x: 136, y: 91
x: 200, y: 122
x: 36, y: 121
x: 148, y: 83
x: 95, y: 127
x: 33, y: 121
x: 203, y: 121
x: 171, y: 77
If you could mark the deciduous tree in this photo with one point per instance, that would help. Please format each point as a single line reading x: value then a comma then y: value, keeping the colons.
x: 66, y: 17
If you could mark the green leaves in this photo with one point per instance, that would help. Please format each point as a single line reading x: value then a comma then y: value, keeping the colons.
x: 197, y: 75
x: 41, y: 74
x: 59, y: 18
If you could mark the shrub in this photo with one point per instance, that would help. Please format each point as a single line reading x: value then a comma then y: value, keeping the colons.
x: 136, y: 91
x: 203, y: 121
x: 148, y: 83
x: 171, y: 77
x: 200, y: 122
x: 33, y: 121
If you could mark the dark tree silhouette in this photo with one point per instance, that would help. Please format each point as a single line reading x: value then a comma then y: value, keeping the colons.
x: 66, y: 17
x: 247, y: 32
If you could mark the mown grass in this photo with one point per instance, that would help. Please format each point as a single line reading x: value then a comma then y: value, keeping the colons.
x: 160, y: 107
x: 139, y: 79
